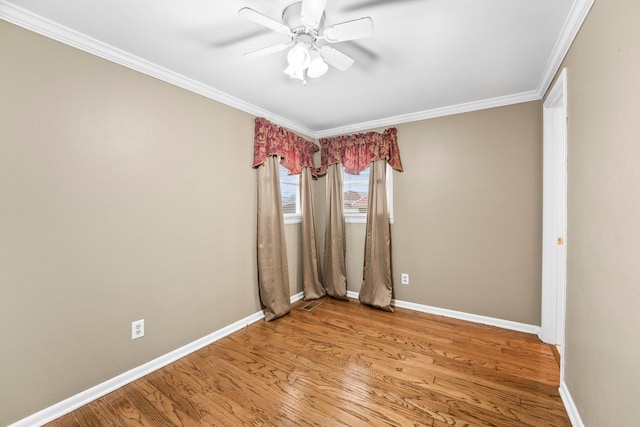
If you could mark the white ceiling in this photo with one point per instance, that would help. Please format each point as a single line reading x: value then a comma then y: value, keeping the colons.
x: 426, y: 58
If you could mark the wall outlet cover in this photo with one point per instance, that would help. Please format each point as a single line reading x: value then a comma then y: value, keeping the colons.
x: 137, y: 329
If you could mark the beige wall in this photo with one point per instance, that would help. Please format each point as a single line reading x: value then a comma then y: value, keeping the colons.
x: 112, y: 210
x: 121, y: 198
x: 467, y: 214
x: 603, y: 249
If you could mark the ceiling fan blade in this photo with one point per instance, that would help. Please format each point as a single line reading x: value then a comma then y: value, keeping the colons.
x: 267, y: 50
x: 336, y: 58
x: 350, y: 30
x: 311, y: 13
x: 264, y: 20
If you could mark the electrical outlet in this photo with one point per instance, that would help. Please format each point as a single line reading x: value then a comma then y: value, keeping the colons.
x: 137, y: 329
x: 404, y: 277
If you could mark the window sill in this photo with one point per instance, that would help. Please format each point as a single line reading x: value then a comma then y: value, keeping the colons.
x: 292, y: 219
x: 297, y: 219
x: 353, y: 219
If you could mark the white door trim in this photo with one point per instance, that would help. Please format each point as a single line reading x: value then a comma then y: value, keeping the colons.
x: 554, y: 214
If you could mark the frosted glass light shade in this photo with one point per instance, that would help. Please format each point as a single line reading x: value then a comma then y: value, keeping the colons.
x: 317, y: 68
x: 298, y: 57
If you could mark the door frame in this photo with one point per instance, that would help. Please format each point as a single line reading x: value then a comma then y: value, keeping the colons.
x: 554, y: 215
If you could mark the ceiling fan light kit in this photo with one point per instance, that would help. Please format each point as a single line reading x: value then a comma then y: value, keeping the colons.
x: 317, y: 67
x: 304, y: 60
x: 303, y: 22
x: 299, y: 57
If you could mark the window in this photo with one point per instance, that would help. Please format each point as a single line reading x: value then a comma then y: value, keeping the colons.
x: 290, y: 193
x: 356, y: 195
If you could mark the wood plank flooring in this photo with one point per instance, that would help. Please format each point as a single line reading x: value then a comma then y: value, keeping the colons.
x: 344, y: 364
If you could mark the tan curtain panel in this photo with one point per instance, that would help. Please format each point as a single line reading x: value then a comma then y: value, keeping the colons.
x: 273, y: 269
x: 335, y: 270
x: 358, y: 152
x: 311, y: 274
x: 377, y: 286
x: 296, y: 155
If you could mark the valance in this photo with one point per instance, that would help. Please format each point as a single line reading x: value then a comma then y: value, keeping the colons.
x: 356, y: 151
x: 273, y: 140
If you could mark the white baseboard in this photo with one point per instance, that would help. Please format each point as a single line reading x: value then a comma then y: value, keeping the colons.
x: 492, y: 321
x: 59, y: 409
x: 569, y: 405
x: 74, y: 402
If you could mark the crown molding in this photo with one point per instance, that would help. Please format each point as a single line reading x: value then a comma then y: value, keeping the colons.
x: 45, y: 27
x: 55, y: 31
x: 577, y: 14
x: 433, y: 113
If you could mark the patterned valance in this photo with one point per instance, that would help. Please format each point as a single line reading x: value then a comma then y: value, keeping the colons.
x: 356, y: 151
x: 273, y: 140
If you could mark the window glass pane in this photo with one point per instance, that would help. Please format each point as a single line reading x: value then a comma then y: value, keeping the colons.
x: 355, y: 193
x: 289, y: 191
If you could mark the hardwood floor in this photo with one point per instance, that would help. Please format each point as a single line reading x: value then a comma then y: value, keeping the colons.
x: 344, y: 364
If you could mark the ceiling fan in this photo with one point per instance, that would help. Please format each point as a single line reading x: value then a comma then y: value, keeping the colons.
x: 303, y: 22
